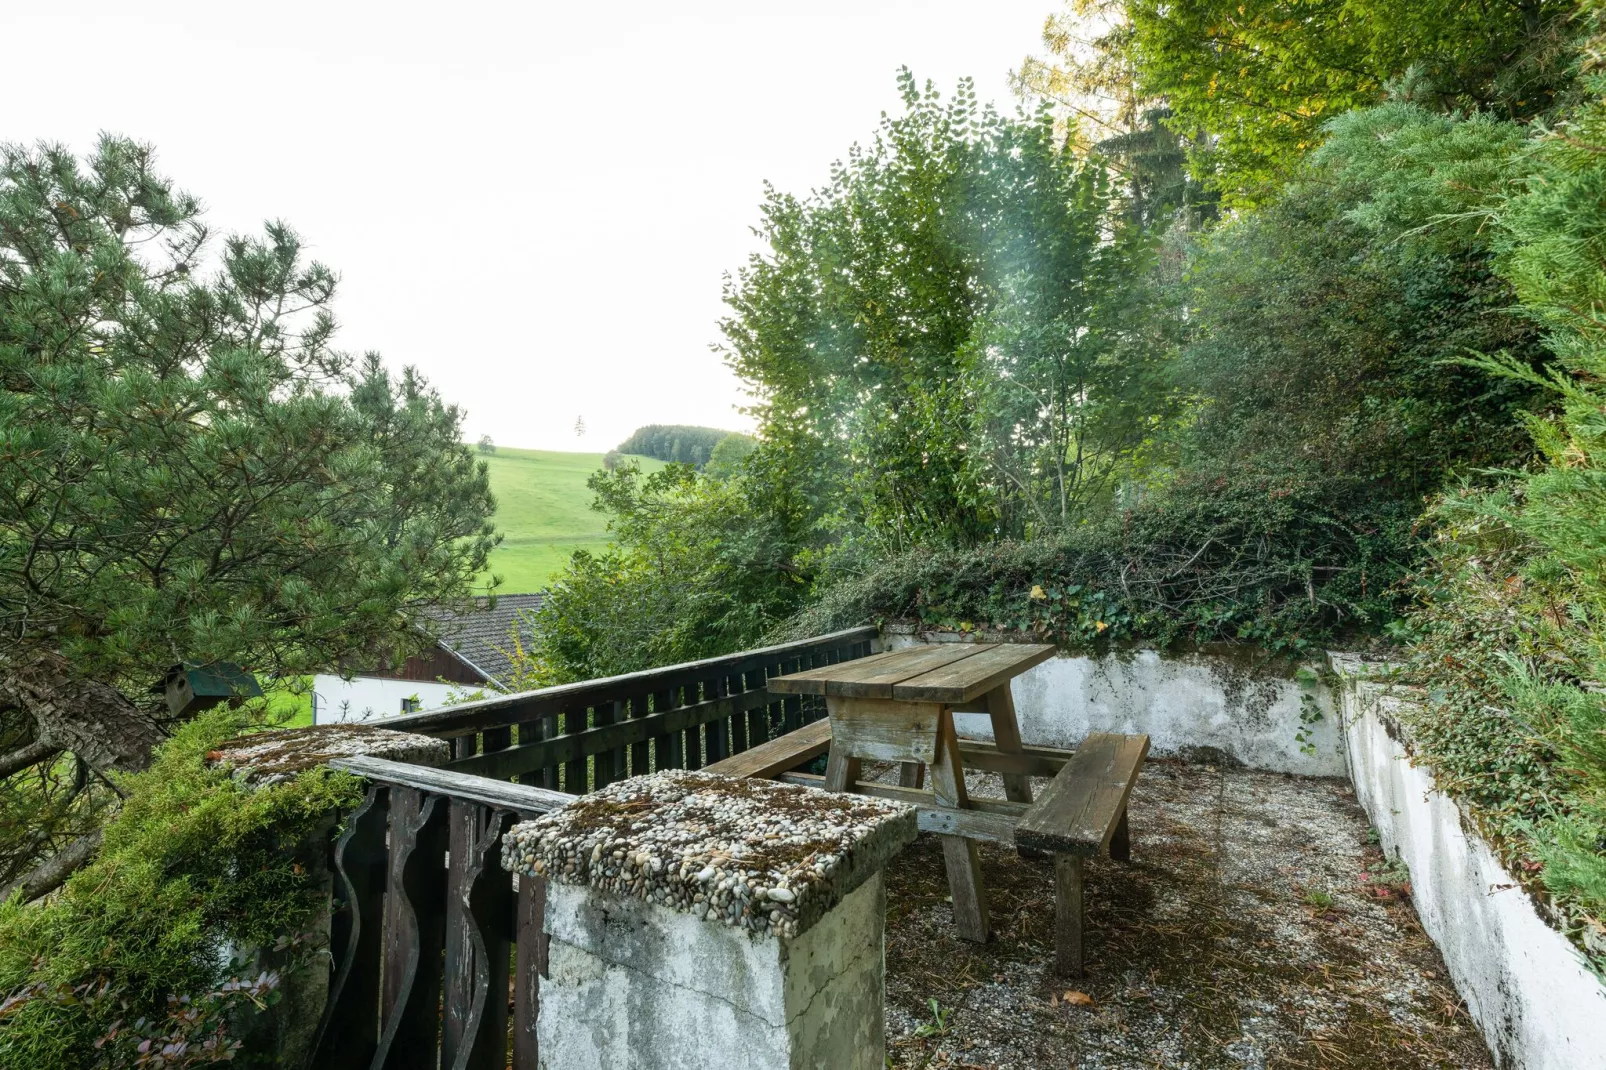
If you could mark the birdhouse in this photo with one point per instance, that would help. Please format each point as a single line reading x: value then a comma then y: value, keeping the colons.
x: 192, y: 688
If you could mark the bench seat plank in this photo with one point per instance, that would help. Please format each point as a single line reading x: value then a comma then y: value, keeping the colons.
x: 779, y: 754
x: 1084, y: 804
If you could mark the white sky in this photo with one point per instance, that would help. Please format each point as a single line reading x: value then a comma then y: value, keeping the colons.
x: 532, y: 203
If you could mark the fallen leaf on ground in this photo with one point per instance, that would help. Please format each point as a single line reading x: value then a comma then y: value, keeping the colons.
x: 1078, y: 999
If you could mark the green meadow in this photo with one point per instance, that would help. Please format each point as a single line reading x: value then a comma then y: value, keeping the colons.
x: 543, y: 511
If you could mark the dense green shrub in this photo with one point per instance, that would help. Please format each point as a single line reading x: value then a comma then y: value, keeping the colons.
x: 194, y: 865
x: 697, y: 568
x: 1511, y: 643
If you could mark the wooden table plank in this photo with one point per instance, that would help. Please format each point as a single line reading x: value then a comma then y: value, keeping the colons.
x: 971, y: 677
x: 812, y: 681
x: 876, y: 680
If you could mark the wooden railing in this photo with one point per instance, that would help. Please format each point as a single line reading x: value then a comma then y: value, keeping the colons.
x: 427, y: 921
x: 578, y: 737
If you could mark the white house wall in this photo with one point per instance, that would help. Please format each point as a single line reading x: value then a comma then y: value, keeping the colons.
x: 367, y: 698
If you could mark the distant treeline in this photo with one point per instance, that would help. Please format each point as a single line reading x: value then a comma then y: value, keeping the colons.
x: 674, y: 442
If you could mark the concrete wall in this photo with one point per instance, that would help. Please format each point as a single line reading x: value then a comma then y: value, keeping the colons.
x: 1537, y: 1004
x: 632, y: 985
x: 1189, y: 705
x: 366, y: 698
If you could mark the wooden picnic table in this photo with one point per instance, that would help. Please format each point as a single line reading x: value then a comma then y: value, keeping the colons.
x: 898, y: 706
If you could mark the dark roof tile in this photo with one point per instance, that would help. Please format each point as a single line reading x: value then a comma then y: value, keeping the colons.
x: 483, y: 639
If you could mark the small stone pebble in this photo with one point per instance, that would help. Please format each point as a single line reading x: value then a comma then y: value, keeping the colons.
x: 754, y: 854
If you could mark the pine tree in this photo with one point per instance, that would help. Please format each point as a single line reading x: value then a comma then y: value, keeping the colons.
x: 189, y: 472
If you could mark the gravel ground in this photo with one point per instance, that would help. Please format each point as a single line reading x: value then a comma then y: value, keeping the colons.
x: 1256, y: 926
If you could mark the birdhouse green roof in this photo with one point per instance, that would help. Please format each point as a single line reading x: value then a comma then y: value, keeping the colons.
x: 217, y: 678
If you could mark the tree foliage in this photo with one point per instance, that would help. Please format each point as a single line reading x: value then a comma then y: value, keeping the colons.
x: 696, y: 568
x: 191, y: 471
x: 1255, y: 82
x: 1514, y: 615
x: 938, y: 338
x: 675, y: 443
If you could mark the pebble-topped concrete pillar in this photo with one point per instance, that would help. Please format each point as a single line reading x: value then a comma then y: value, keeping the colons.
x: 700, y: 921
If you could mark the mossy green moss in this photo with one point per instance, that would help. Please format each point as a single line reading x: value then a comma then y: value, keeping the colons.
x: 195, y: 866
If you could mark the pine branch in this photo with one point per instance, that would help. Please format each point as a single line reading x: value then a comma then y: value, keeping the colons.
x: 53, y: 872
x: 23, y: 757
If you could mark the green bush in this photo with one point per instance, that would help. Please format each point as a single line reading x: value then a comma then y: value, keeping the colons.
x: 194, y: 866
x: 1270, y: 556
x: 1511, y: 637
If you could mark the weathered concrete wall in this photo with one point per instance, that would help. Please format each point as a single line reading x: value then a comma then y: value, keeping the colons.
x: 637, y: 986
x: 1187, y: 704
x: 1537, y: 1004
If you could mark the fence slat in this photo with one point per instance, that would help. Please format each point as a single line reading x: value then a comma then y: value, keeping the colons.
x: 695, y: 744
x: 758, y: 720
x: 478, y: 904
x: 348, y: 1034
x: 415, y: 931
x: 607, y: 765
x: 529, y: 967
x: 674, y: 755
x: 641, y: 750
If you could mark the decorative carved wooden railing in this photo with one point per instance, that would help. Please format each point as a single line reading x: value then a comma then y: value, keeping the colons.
x: 578, y: 737
x: 427, y: 920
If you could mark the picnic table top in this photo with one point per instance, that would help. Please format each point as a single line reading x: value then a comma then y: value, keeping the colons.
x: 935, y: 672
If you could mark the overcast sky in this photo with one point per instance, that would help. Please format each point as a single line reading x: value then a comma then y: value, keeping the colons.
x: 532, y: 202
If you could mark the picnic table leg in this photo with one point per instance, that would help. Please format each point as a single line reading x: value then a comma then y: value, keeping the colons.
x: 1006, y: 735
x: 841, y: 772
x: 1068, y: 915
x: 960, y: 855
x: 911, y: 775
x: 1121, y: 841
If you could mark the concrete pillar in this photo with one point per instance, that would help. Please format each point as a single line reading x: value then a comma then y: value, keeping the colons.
x: 702, y: 921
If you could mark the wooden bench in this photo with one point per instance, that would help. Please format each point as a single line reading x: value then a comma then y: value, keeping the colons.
x: 1082, y: 814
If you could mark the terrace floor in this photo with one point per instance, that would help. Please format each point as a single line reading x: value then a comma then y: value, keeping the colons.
x: 1257, y: 926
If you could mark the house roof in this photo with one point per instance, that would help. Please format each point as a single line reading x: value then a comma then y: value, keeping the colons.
x: 483, y: 637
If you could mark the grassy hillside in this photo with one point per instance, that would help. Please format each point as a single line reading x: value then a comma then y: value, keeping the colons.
x: 543, y: 510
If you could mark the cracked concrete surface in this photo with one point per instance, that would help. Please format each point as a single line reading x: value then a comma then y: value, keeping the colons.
x: 1257, y: 926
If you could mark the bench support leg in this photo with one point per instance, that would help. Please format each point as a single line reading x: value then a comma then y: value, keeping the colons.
x: 963, y: 861
x: 1068, y: 915
x: 1121, y: 841
x: 911, y: 775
